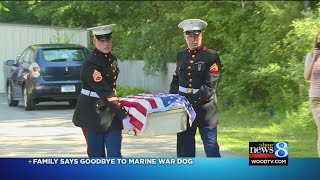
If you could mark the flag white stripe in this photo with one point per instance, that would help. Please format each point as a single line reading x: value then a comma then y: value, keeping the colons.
x: 137, y: 114
x: 159, y: 102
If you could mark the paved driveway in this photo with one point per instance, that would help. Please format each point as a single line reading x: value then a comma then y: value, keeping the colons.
x: 49, y: 132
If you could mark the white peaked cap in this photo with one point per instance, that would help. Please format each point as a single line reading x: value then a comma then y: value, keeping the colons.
x: 192, y: 25
x: 101, y: 30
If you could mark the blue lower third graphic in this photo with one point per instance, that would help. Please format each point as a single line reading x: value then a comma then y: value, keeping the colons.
x: 155, y: 168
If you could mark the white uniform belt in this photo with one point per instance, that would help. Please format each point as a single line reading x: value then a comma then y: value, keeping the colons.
x: 89, y: 93
x: 188, y: 90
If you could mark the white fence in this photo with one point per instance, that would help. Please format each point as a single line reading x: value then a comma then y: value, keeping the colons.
x: 16, y: 37
x: 132, y: 74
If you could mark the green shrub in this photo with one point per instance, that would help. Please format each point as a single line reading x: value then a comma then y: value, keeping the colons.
x: 299, y: 120
x: 126, y: 90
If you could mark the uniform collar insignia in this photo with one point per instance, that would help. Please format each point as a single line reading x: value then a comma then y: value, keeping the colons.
x: 199, y: 62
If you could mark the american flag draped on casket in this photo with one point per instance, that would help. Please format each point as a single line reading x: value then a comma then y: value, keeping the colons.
x: 140, y: 106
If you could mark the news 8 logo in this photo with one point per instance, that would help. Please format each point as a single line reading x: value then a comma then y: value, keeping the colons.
x: 268, y: 153
x: 281, y: 149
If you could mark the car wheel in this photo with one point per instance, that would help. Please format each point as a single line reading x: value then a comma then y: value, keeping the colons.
x: 28, y: 103
x: 73, y: 103
x: 9, y: 95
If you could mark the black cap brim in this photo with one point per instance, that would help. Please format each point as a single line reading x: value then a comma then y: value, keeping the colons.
x: 193, y: 32
x: 103, y: 37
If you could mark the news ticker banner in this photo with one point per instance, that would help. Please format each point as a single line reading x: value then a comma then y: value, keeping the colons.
x: 155, y: 168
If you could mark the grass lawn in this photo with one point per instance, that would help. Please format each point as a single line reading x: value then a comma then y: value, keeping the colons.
x: 237, y: 140
x: 236, y: 130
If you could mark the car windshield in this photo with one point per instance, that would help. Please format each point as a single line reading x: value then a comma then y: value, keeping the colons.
x: 64, y: 54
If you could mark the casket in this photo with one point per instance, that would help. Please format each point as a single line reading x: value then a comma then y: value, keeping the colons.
x: 155, y: 114
x: 171, y: 121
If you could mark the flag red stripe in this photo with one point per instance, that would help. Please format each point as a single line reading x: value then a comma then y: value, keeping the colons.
x: 135, y: 122
x: 261, y: 155
x: 140, y: 108
x: 125, y: 103
x: 152, y: 103
x: 149, y: 99
x: 136, y: 105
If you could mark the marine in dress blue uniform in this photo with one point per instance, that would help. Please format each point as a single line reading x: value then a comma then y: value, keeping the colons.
x: 98, y: 111
x: 196, y: 77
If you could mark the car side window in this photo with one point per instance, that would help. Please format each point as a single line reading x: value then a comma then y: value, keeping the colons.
x: 21, y: 58
x: 29, y: 55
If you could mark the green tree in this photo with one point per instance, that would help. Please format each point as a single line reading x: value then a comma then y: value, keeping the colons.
x: 261, y: 43
x: 17, y: 12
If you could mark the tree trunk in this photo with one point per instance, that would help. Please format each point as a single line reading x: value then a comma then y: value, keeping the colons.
x: 306, y: 5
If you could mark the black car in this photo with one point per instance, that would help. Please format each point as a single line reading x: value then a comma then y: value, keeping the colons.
x: 45, y: 72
